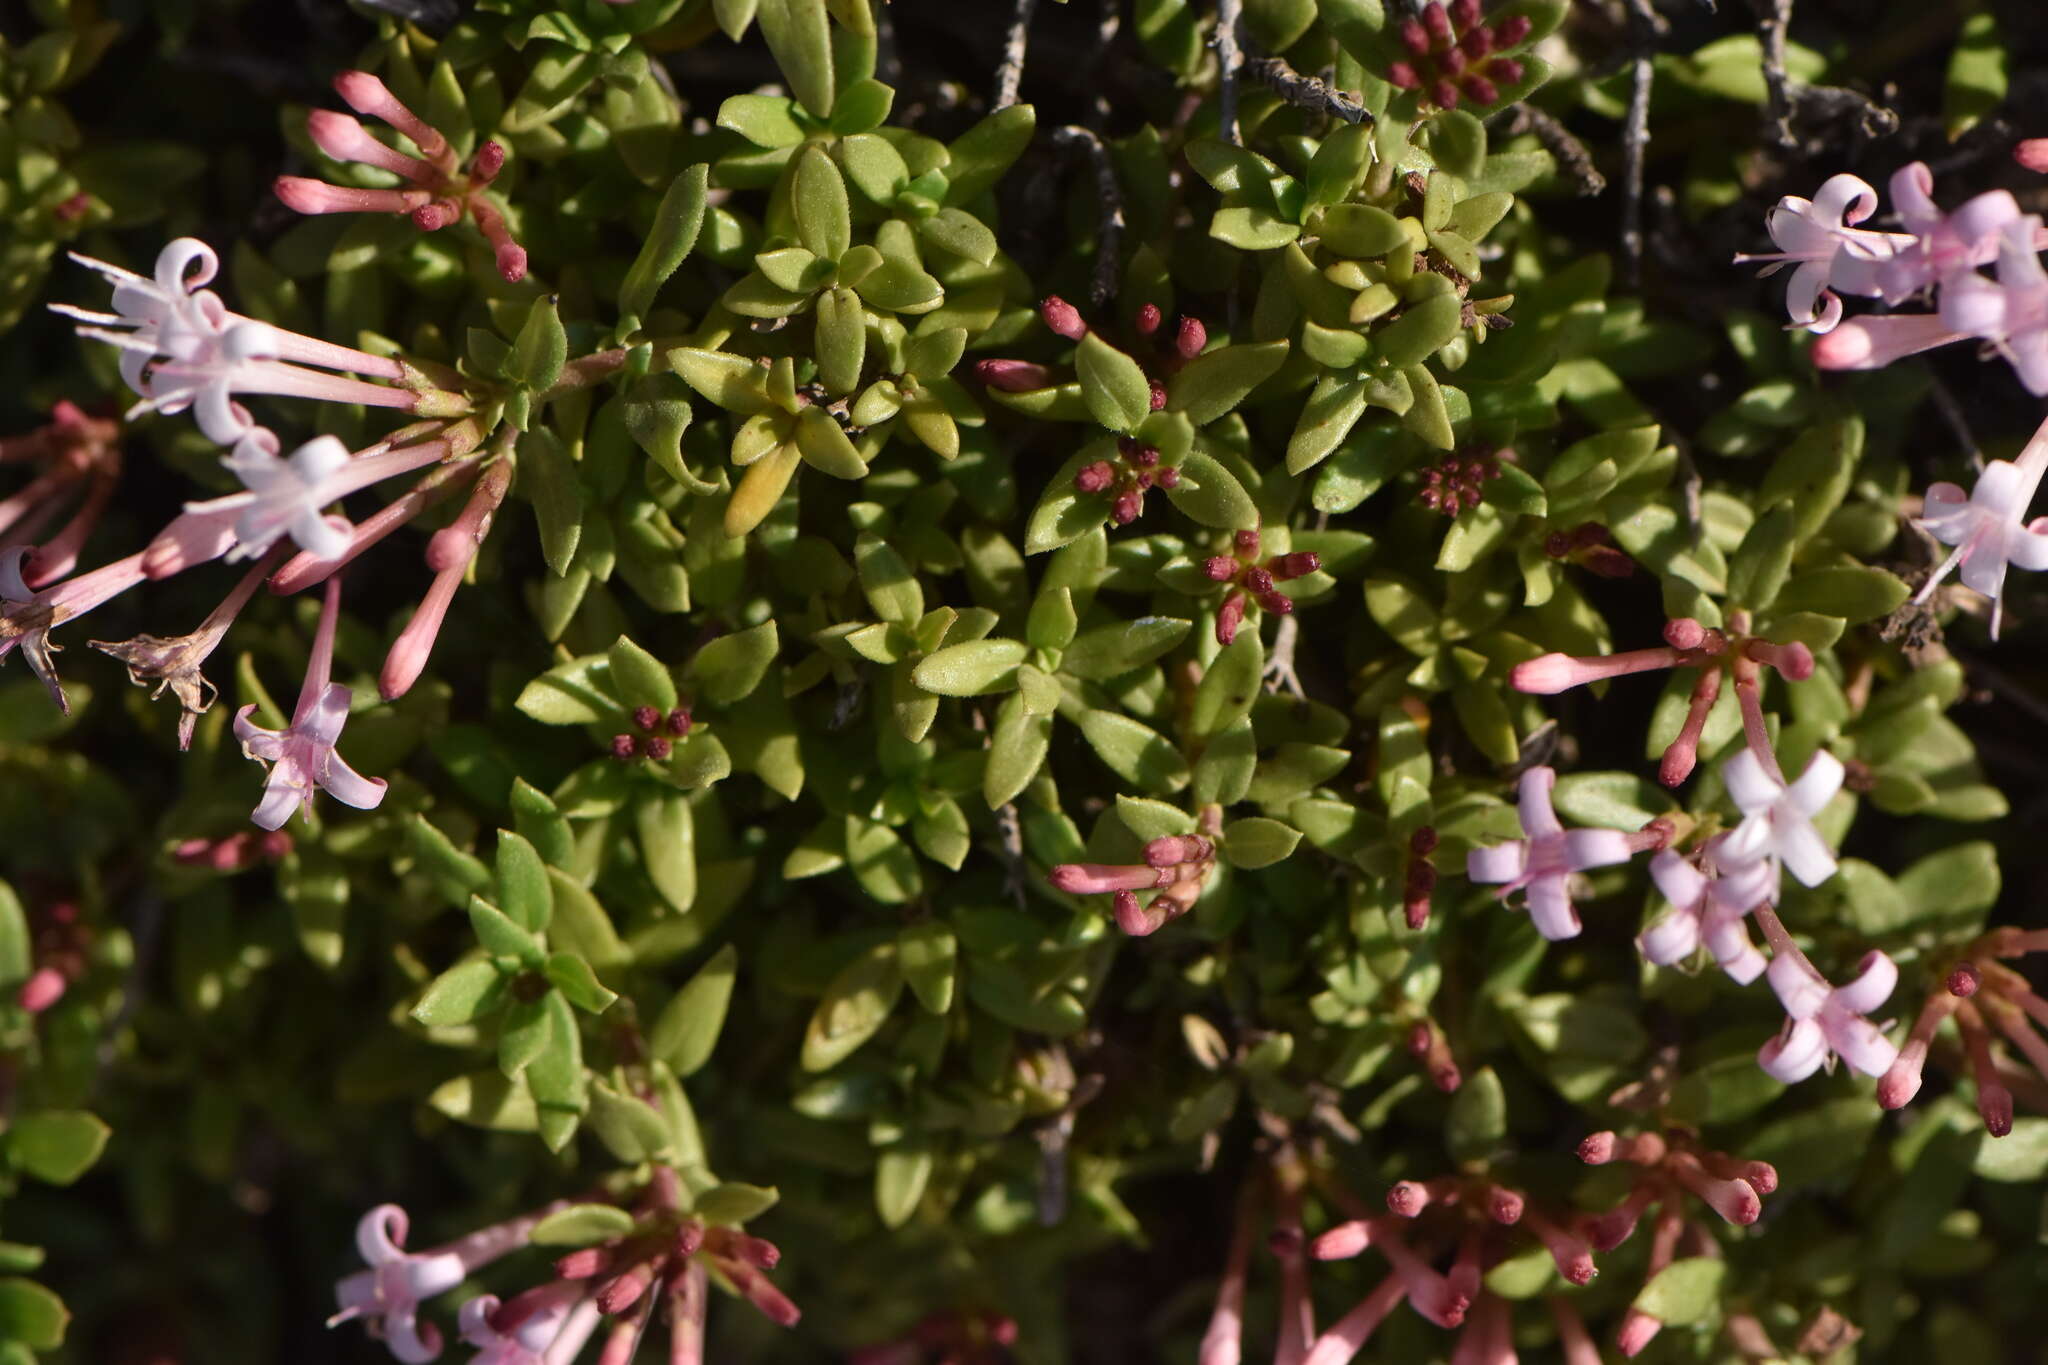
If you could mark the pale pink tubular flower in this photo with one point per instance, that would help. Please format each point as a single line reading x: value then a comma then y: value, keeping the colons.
x: 1873, y: 342
x: 1708, y: 903
x: 2011, y: 313
x: 527, y: 1330
x: 302, y: 756
x: 1945, y: 244
x: 1988, y: 526
x: 387, y: 1295
x: 1544, y: 861
x: 1778, y: 819
x: 1827, y: 254
x: 285, y: 495
x: 1824, y: 1019
x: 1348, y: 1335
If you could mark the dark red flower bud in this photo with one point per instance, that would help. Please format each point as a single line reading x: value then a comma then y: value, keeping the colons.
x: 646, y: 717
x: 1191, y: 338
x: 1510, y: 31
x: 1422, y: 842
x: 1482, y: 90
x: 1062, y: 317
x: 1158, y: 396
x: 1229, y: 617
x: 1220, y: 568
x: 1144, y: 457
x: 1438, y: 23
x: 1013, y: 376
x: 1168, y: 478
x: 679, y: 721
x: 1095, y: 477
x: 656, y: 748
x: 1505, y: 69
x: 1557, y: 545
x: 1299, y: 564
x: 1964, y: 980
x: 1464, y: 13
x: 1477, y: 43
x: 1144, y: 480
x: 434, y: 216
x: 1246, y: 541
x: 1148, y: 319
x: 1258, y: 581
x: 624, y: 746
x: 1402, y: 76
x: 1129, y: 504
x: 1279, y: 603
x: 1444, y: 93
x: 1608, y: 562
x: 1415, y: 38
x: 1452, y: 63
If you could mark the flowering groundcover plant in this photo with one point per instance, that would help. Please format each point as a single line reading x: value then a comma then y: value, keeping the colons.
x: 967, y: 682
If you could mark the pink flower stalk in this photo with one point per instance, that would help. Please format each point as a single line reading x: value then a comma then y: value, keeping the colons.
x: 1347, y: 1336
x: 1572, y: 1337
x: 1822, y: 1020
x: 28, y: 616
x: 1945, y: 244
x: 387, y: 1295
x: 527, y: 1330
x: 1828, y: 256
x: 2011, y: 313
x: 1778, y: 819
x: 285, y: 496
x: 1569, y: 1251
x: 435, y: 196
x: 1994, y: 1098
x: 302, y: 757
x: 1488, y: 1338
x: 1988, y: 527
x: 1708, y: 904
x: 2032, y: 153
x: 689, y: 1299
x: 1544, y: 861
x: 1223, y: 1338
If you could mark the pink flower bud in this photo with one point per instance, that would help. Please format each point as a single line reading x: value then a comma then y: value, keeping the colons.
x: 1143, y: 456
x: 1342, y: 1242
x: 1168, y: 478
x: 646, y: 717
x: 656, y: 748
x: 1095, y: 477
x: 317, y: 196
x: 436, y: 215
x: 1477, y: 42
x: 1504, y: 1205
x: 365, y: 94
x: 1246, y: 542
x: 1510, y: 31
x: 1414, y: 37
x: 2033, y: 154
x: 1012, y: 376
x: 1407, y: 1199
x: 1129, y: 504
x: 1506, y: 69
x: 1464, y: 13
x: 1298, y: 564
x: 1258, y: 581
x: 583, y: 1263
x: 679, y: 721
x: 1964, y: 979
x: 1148, y: 319
x: 1483, y: 91
x: 1994, y: 1106
x: 1229, y: 617
x: 1190, y: 339
x: 1597, y: 1149
x: 1062, y: 318
x: 1638, y: 1329
x: 1402, y: 76
x: 624, y: 746
x: 44, y: 988
x: 1158, y: 396
x: 485, y: 165
x: 1093, y: 879
x: 1437, y: 22
x: 1444, y: 93
x: 1452, y: 63
x: 1220, y: 568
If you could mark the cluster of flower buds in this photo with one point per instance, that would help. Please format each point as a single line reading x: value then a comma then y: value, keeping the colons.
x: 1940, y: 253
x: 1451, y: 54
x: 1687, y: 644
x: 1464, y: 1217
x: 1668, y: 1168
x: 1127, y: 479
x: 1253, y: 582
x: 436, y: 192
x: 1984, y: 996
x: 1456, y: 483
x: 664, y: 1262
x: 1589, y: 546
x: 78, y: 463
x: 1176, y: 865
x: 657, y: 733
x: 953, y: 1338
